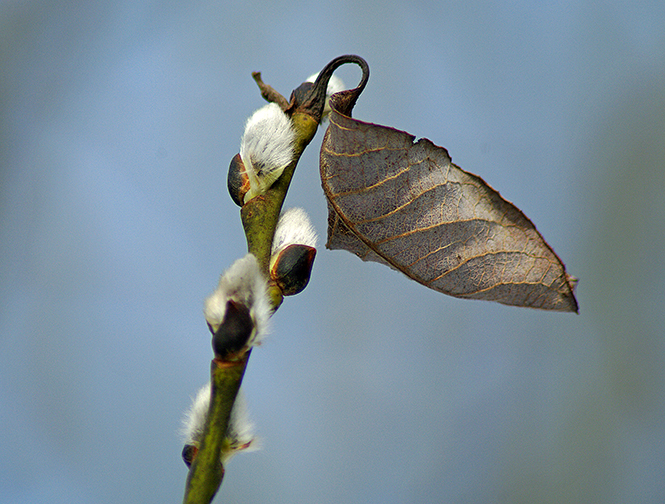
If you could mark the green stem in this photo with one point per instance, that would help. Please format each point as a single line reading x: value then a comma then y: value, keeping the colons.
x: 259, y: 219
x: 260, y: 215
x: 206, y: 474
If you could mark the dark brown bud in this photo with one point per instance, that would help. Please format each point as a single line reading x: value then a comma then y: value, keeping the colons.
x: 189, y: 454
x: 300, y: 95
x: 292, y: 268
x: 237, y: 180
x: 234, y: 332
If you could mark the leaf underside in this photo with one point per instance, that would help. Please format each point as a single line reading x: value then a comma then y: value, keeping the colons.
x: 405, y: 204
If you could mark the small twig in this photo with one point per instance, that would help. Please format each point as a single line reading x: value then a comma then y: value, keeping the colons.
x: 269, y: 93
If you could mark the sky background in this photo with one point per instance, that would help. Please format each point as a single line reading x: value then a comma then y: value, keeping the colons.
x: 117, y: 124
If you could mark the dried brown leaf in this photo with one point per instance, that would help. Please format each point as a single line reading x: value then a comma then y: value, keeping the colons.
x: 404, y: 203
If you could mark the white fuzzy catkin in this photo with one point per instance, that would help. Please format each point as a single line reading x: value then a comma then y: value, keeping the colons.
x: 335, y: 85
x: 243, y: 283
x: 240, y: 432
x: 266, y: 147
x: 293, y: 227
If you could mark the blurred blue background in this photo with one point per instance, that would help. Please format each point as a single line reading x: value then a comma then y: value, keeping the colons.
x: 117, y: 124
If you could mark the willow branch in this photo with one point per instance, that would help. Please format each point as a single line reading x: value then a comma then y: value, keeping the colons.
x: 259, y: 218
